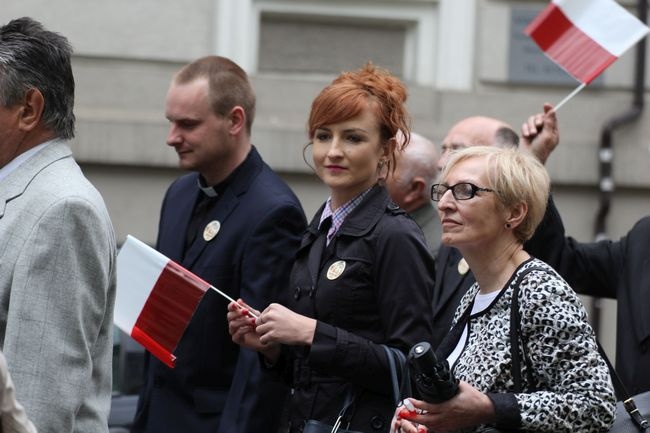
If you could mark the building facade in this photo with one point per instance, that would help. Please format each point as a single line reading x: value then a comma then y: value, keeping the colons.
x: 459, y: 58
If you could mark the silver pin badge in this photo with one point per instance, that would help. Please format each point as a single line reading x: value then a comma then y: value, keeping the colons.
x: 211, y: 230
x: 335, y: 270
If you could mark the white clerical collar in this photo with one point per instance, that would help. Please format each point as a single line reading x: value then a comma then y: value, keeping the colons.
x: 207, y: 190
x: 15, y: 163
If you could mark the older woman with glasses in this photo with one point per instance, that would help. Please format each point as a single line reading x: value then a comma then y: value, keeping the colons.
x: 520, y: 343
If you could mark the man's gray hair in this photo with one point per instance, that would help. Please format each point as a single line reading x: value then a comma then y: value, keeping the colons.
x: 34, y: 58
x: 506, y: 137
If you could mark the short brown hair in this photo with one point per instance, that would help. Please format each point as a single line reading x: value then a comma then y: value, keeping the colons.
x: 228, y: 84
x: 351, y: 92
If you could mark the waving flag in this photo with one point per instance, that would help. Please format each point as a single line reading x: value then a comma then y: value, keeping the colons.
x: 584, y: 37
x: 155, y: 298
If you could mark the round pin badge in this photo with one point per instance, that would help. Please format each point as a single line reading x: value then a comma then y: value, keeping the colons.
x: 463, y: 267
x: 211, y: 230
x: 335, y: 270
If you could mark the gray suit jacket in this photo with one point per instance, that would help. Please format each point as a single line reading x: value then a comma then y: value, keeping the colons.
x: 427, y: 218
x: 57, y: 289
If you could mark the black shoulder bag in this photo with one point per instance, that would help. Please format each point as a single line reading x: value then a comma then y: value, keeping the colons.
x: 314, y: 426
x: 632, y: 412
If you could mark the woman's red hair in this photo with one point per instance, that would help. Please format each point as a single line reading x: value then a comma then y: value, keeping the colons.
x: 351, y: 92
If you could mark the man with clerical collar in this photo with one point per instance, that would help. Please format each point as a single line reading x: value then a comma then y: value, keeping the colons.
x: 236, y: 224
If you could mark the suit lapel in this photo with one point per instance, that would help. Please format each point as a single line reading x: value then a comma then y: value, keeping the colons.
x: 177, y: 217
x: 18, y: 180
x: 229, y: 200
x: 224, y: 207
x: 448, y: 279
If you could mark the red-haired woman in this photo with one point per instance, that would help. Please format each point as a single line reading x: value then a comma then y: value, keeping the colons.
x: 363, y: 273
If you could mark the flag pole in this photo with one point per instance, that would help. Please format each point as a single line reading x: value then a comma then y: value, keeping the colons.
x: 569, y: 96
x: 250, y: 313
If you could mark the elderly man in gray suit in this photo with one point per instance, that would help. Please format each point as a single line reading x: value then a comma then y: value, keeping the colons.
x: 57, y: 246
x: 409, y: 185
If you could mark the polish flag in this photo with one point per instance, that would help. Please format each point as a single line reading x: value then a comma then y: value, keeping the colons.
x: 156, y: 298
x: 584, y: 37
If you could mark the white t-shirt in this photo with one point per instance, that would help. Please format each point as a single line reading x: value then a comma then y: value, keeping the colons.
x: 481, y: 302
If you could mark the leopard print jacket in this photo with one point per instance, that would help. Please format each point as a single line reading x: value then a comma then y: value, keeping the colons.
x: 573, y: 387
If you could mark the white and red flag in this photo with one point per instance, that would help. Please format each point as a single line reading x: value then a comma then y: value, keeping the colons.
x: 584, y: 37
x: 155, y: 298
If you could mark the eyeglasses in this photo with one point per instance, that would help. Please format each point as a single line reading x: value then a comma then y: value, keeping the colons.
x: 460, y: 191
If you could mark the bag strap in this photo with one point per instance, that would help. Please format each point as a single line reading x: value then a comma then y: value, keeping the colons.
x: 391, y: 354
x: 623, y: 394
x: 348, y: 402
x: 393, y: 371
x: 398, y: 370
x: 515, y: 335
x: 400, y: 377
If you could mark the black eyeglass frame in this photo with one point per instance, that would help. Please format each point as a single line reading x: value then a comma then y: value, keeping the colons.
x: 454, y: 191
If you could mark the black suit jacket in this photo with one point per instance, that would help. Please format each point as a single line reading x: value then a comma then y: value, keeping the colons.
x: 451, y: 285
x: 619, y: 270
x: 216, y: 387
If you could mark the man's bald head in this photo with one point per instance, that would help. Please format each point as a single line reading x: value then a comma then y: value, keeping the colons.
x: 415, y: 172
x: 477, y: 131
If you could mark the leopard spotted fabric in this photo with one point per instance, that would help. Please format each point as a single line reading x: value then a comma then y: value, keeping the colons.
x: 574, y: 391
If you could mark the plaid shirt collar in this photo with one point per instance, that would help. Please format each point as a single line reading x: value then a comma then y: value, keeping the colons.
x: 339, y: 215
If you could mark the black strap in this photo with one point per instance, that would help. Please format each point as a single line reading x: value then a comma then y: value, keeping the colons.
x: 623, y: 394
x: 515, y: 336
x: 391, y: 353
x: 399, y: 388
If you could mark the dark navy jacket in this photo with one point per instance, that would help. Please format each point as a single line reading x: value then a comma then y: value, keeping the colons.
x: 216, y: 387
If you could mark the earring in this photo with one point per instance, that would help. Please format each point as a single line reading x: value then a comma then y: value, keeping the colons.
x: 508, y: 225
x: 381, y: 164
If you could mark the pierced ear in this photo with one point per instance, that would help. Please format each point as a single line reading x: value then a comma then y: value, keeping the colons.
x: 31, y: 110
x: 517, y: 214
x: 237, y: 118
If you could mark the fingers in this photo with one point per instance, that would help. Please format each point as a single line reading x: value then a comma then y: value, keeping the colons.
x: 549, y: 109
x: 408, y: 411
x: 533, y: 125
x: 408, y: 427
x: 241, y: 308
x: 240, y: 322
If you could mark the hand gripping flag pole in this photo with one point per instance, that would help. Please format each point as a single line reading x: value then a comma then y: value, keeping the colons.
x: 584, y: 37
x: 156, y: 298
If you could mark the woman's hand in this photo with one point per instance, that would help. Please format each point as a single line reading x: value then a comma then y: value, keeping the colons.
x: 468, y: 408
x: 241, y: 326
x: 278, y: 324
x: 401, y: 424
